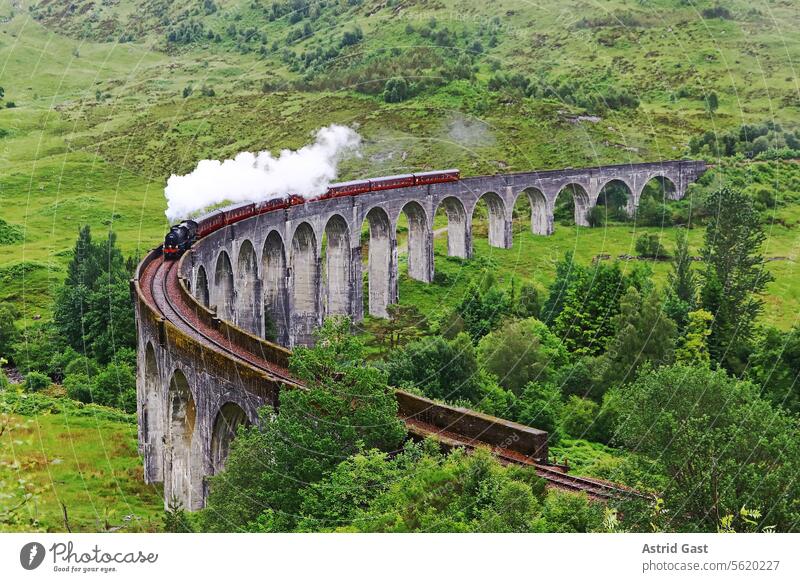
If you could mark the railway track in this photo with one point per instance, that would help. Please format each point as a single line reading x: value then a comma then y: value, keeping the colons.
x: 555, y: 475
x: 164, y: 286
x: 160, y: 286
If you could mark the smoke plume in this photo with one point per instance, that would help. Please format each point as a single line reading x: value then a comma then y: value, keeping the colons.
x: 253, y: 177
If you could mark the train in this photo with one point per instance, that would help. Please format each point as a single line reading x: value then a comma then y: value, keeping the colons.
x: 181, y: 236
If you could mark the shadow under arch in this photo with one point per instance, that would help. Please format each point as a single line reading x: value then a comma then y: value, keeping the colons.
x: 419, y: 243
x: 246, y: 296
x: 304, y: 285
x: 496, y: 216
x: 617, y: 198
x: 223, y: 286
x: 382, y: 240
x: 541, y: 222
x: 578, y: 201
x: 152, y: 417
x: 337, y: 268
x: 228, y: 420
x: 459, y: 234
x: 276, y: 303
x: 201, y: 287
x: 181, y: 454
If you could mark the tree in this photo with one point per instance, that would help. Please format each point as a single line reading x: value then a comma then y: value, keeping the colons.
x: 540, y: 406
x: 404, y: 324
x: 396, y: 90
x: 567, y: 272
x: 590, y: 303
x: 693, y: 349
x: 482, y: 309
x: 528, y: 304
x: 93, y: 310
x: 521, y: 351
x: 456, y: 492
x: 351, y: 486
x: 442, y: 369
x: 721, y: 446
x: 578, y: 417
x: 643, y: 334
x: 115, y: 386
x: 734, y: 274
x: 712, y: 101
x: 775, y: 366
x: 347, y: 407
x: 9, y: 333
x: 682, y: 289
x: 36, y: 381
x: 175, y: 518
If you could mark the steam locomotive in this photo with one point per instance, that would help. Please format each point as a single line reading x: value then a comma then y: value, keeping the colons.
x: 181, y: 236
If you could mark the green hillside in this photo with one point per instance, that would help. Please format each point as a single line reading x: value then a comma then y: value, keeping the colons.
x: 102, y: 101
x: 68, y: 466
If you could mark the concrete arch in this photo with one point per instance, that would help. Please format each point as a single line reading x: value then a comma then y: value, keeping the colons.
x: 459, y: 231
x: 499, y: 226
x: 276, y: 301
x: 152, y: 417
x: 668, y: 187
x: 228, y: 420
x: 541, y: 215
x: 304, y: 284
x: 247, y: 288
x: 201, y: 287
x: 420, y: 242
x: 337, y: 276
x: 223, y: 286
x: 381, y: 259
x: 581, y: 200
x: 607, y: 194
x: 182, y: 455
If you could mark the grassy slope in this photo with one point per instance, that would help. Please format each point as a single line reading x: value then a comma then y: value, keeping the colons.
x: 99, y: 126
x: 82, y: 457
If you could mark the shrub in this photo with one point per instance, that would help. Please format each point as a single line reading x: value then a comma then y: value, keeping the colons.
x: 541, y: 407
x: 79, y: 387
x: 596, y: 216
x: 116, y: 386
x: 579, y: 416
x: 649, y: 246
x: 36, y: 381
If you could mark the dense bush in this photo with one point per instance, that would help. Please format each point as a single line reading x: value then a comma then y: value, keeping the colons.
x: 36, y: 381
x: 520, y: 352
x: 447, y: 370
x: 9, y: 333
x: 721, y: 444
x: 650, y: 247
x: 769, y: 140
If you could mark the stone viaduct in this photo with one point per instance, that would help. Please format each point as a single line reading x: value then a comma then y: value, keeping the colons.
x: 298, y: 266
x: 277, y: 264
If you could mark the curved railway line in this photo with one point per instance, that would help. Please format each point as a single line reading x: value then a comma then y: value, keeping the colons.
x: 159, y: 285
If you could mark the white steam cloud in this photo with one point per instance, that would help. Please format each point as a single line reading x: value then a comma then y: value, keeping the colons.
x: 253, y: 177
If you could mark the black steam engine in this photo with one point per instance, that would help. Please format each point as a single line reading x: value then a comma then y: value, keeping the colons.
x: 179, y: 238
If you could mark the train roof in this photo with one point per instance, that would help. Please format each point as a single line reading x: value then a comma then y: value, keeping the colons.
x: 435, y: 172
x: 395, y: 177
x: 348, y: 183
x: 207, y: 215
x: 230, y: 207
